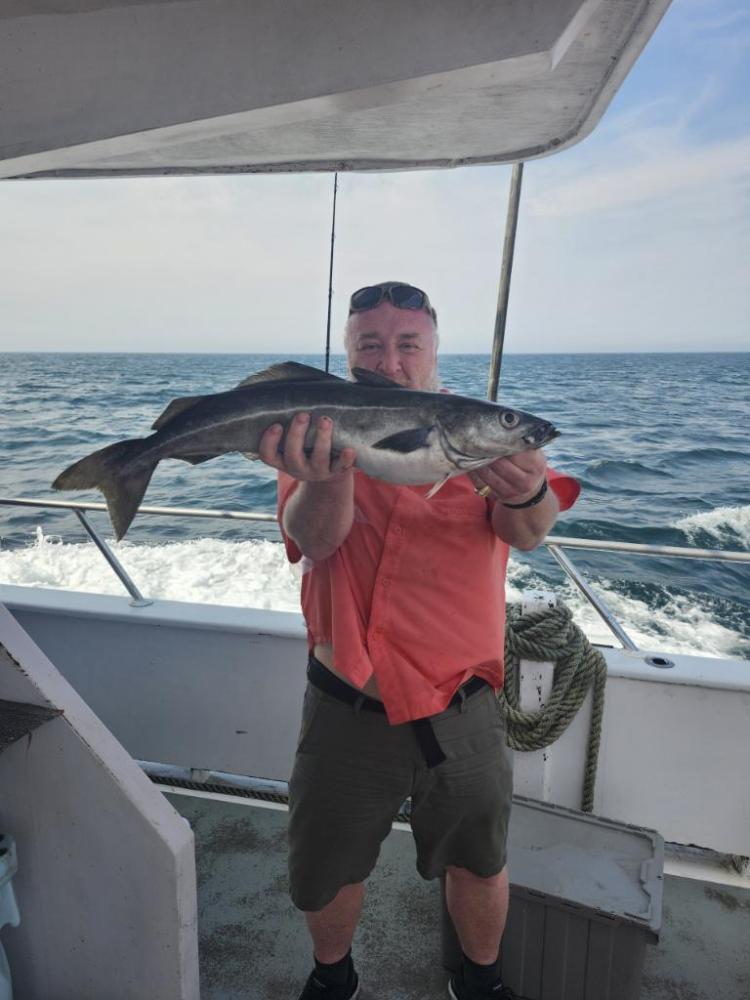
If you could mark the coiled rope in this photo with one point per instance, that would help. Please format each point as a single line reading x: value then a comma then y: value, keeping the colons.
x: 552, y: 636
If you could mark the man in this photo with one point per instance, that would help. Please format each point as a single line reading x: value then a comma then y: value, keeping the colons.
x: 404, y: 603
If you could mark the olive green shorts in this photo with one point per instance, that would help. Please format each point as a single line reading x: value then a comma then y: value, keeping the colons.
x: 353, y: 771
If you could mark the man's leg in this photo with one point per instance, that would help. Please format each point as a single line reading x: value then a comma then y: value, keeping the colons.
x: 478, y: 909
x: 347, y: 784
x: 332, y: 928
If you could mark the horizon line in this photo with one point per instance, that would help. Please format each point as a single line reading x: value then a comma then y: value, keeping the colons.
x: 342, y: 354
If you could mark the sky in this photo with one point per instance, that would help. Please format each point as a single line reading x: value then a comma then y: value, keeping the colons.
x: 635, y: 239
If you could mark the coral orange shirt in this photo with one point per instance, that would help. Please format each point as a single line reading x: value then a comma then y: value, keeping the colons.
x: 416, y: 592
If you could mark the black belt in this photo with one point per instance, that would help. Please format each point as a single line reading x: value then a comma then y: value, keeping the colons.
x: 324, y: 680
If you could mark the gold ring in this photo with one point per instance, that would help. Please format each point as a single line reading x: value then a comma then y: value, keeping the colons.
x: 482, y: 491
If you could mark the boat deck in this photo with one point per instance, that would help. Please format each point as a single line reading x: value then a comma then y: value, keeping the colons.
x: 254, y: 944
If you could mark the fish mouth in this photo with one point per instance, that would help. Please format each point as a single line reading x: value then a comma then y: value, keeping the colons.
x: 542, y: 434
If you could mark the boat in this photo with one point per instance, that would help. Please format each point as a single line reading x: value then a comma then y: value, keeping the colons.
x: 123, y: 716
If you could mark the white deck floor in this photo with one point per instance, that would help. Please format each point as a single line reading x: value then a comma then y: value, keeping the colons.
x: 254, y: 945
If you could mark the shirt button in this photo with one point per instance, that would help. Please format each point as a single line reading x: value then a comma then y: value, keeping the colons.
x: 398, y: 530
x: 385, y: 581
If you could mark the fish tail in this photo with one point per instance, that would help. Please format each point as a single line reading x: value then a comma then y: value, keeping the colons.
x: 117, y: 473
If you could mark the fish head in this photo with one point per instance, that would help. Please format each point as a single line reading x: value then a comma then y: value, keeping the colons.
x: 476, y: 436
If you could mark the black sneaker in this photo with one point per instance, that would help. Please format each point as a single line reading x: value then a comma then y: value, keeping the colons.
x: 458, y: 990
x: 316, y: 989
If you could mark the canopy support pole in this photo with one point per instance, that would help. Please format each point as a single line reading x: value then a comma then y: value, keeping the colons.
x: 330, y: 272
x: 501, y: 316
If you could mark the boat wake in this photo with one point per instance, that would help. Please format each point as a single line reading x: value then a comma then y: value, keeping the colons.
x: 248, y: 574
x: 255, y: 573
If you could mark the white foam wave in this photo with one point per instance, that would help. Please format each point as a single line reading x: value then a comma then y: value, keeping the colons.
x: 726, y: 524
x: 256, y: 574
x: 252, y: 574
x: 682, y: 625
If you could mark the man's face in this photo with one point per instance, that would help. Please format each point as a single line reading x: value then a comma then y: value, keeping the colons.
x: 399, y: 343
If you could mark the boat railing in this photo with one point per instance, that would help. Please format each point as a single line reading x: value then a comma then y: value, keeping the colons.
x: 555, y: 544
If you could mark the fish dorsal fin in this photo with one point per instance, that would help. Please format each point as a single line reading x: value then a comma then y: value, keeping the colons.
x: 289, y: 371
x: 366, y: 377
x: 175, y: 408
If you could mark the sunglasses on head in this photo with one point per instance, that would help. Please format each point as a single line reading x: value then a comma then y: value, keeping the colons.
x: 400, y: 295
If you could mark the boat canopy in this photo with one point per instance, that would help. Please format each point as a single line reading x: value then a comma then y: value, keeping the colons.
x: 118, y: 87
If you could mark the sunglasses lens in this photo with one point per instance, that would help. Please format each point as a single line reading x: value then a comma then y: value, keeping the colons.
x: 408, y: 297
x: 366, y: 298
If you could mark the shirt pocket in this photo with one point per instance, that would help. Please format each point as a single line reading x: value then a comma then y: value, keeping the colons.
x: 471, y: 508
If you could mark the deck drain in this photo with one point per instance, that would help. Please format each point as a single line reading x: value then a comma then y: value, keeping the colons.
x: 659, y: 661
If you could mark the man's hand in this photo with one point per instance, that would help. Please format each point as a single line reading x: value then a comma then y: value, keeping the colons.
x: 319, y: 514
x: 316, y: 467
x: 515, y: 479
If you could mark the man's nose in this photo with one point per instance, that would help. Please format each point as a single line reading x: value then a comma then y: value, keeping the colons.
x: 390, y: 361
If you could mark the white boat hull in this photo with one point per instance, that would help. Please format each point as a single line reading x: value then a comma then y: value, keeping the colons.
x: 220, y: 688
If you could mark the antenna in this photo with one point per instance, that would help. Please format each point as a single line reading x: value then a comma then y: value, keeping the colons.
x: 330, y: 272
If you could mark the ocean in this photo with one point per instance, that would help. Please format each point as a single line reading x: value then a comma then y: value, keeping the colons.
x: 659, y: 443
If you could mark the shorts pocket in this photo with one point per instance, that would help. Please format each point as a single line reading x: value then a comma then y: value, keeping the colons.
x: 479, y: 728
x: 310, y: 706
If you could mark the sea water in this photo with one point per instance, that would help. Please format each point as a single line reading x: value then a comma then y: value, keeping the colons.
x: 659, y: 443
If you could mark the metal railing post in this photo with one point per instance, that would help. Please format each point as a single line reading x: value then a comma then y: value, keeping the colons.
x: 594, y: 600
x: 137, y: 598
x: 554, y: 543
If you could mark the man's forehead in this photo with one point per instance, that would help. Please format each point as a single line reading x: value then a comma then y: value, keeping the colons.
x: 387, y: 320
x: 375, y: 333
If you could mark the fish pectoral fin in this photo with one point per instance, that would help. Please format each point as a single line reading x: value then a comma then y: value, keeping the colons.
x: 195, y: 459
x: 438, y: 485
x: 366, y: 377
x: 406, y: 441
x: 175, y: 408
x: 289, y: 371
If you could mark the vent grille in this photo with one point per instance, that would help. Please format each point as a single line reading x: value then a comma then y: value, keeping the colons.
x: 243, y: 793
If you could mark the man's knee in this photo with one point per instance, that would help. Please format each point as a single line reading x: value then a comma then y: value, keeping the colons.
x: 464, y: 877
x: 347, y: 900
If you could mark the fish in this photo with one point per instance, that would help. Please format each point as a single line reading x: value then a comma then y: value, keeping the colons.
x: 402, y: 436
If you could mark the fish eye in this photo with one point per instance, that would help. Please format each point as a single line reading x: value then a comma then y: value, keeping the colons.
x: 509, y: 419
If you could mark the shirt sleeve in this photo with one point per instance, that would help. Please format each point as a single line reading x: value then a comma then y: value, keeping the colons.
x: 285, y: 486
x: 566, y: 488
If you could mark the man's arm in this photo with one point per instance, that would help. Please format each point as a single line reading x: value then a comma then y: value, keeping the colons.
x: 319, y: 516
x: 516, y: 480
x: 526, y: 529
x: 320, y: 512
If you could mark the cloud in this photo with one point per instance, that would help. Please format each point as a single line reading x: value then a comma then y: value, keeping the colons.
x: 636, y: 239
x: 680, y: 171
x: 705, y: 18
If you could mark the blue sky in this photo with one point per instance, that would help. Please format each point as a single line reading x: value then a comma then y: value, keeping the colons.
x: 638, y: 238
